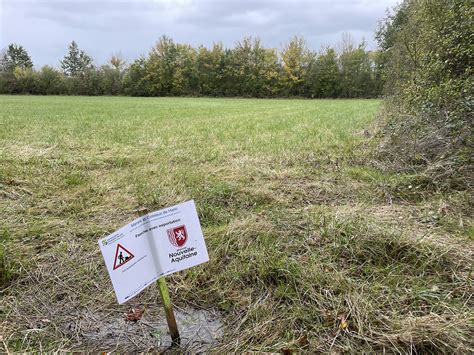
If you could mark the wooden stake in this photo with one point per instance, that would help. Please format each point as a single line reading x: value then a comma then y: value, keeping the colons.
x: 165, y: 298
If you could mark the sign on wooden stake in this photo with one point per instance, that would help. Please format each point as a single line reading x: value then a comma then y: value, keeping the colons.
x: 152, y: 246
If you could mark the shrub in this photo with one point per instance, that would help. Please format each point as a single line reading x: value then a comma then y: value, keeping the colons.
x: 426, y: 46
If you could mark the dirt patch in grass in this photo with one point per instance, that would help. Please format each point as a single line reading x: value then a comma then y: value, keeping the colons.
x: 105, y: 330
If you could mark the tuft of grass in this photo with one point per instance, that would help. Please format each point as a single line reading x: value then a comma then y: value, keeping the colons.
x: 314, y: 246
x: 7, y: 265
x: 74, y: 179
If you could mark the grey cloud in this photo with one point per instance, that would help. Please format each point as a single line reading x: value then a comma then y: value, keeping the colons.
x: 45, y: 27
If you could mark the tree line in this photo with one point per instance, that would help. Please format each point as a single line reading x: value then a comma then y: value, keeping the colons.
x: 174, y: 69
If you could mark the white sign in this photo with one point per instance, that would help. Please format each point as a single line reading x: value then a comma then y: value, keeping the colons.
x: 155, y: 245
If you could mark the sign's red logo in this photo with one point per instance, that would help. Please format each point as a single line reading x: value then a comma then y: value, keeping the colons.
x: 178, y: 236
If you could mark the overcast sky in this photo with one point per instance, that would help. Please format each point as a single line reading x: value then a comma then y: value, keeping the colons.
x: 131, y: 27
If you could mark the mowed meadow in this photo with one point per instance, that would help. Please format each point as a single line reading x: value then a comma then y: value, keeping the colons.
x: 314, y: 244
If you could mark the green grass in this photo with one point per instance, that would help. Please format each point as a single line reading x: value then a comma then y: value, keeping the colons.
x: 306, y: 230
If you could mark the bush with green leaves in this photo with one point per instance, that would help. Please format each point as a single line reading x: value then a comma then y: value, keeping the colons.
x: 426, y: 46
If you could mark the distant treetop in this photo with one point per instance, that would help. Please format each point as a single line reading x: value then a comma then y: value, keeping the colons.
x: 76, y: 61
x: 15, y: 56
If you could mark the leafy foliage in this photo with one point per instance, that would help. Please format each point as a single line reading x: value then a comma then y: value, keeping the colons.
x: 247, y: 70
x: 426, y: 58
x: 76, y: 61
x: 15, y: 57
x: 296, y: 58
x: 323, y: 76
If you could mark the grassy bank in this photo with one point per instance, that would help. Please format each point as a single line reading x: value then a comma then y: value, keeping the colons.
x: 313, y: 244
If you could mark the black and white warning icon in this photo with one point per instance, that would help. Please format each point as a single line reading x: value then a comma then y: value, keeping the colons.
x: 122, y: 256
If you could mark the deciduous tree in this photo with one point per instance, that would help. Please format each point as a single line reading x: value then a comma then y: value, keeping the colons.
x: 295, y: 63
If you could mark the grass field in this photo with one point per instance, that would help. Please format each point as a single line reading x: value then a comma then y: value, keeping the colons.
x: 314, y: 244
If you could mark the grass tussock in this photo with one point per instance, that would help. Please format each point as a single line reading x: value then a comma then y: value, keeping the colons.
x: 313, y: 246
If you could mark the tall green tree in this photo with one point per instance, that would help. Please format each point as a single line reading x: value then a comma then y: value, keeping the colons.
x: 135, y: 81
x: 254, y: 68
x: 242, y: 67
x: 210, y: 70
x: 323, y: 79
x: 170, y: 68
x: 76, y: 61
x: 295, y: 63
x: 388, y: 34
x: 270, y: 73
x: 15, y: 56
x: 356, y: 69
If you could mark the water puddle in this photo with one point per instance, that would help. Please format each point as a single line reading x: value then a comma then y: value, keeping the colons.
x: 102, y: 331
